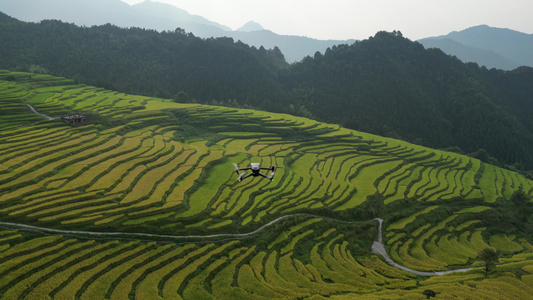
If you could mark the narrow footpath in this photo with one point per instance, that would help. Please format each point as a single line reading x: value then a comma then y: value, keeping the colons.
x: 140, y: 236
x: 38, y: 113
x: 377, y: 246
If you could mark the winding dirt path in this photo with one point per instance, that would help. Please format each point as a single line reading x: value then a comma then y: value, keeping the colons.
x: 141, y: 236
x: 38, y: 113
x: 379, y: 248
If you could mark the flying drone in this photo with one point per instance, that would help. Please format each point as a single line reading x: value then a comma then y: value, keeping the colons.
x: 256, y: 171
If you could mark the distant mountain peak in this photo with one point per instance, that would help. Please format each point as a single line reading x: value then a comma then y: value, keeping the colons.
x: 251, y: 26
x: 492, y: 47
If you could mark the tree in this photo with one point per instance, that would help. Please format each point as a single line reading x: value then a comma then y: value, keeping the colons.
x: 429, y: 294
x: 181, y: 97
x: 520, y: 198
x: 489, y: 258
x: 37, y: 69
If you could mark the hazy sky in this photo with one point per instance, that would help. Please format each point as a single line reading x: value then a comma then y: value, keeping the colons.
x: 358, y: 19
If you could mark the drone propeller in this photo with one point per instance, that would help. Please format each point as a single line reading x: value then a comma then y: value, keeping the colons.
x: 236, y: 168
x: 273, y: 172
x: 241, y: 176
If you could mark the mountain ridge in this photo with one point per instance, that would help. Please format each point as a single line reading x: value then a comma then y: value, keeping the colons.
x: 148, y: 14
x: 483, y: 57
x: 488, y: 46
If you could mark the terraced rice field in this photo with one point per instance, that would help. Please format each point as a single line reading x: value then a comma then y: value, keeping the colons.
x: 161, y: 174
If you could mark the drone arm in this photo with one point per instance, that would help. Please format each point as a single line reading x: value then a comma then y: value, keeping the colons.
x: 273, y: 168
x: 271, y: 177
x: 244, y: 176
x: 272, y: 172
x: 263, y: 175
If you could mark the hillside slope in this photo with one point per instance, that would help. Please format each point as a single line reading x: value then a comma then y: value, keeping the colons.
x: 391, y: 86
x: 147, y: 166
x: 386, y: 85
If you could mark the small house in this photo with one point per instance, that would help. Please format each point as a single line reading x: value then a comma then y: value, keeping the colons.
x: 76, y: 119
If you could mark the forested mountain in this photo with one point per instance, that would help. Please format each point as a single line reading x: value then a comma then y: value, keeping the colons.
x: 386, y: 85
x: 394, y: 87
x: 143, y: 61
x: 492, y: 47
x: 159, y: 16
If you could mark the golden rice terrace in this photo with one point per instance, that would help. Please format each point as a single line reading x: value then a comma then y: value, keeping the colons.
x: 142, y: 202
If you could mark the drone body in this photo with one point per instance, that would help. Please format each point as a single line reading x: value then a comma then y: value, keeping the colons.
x: 256, y: 171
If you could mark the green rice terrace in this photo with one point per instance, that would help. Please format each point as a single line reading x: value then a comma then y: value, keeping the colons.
x: 144, y: 203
